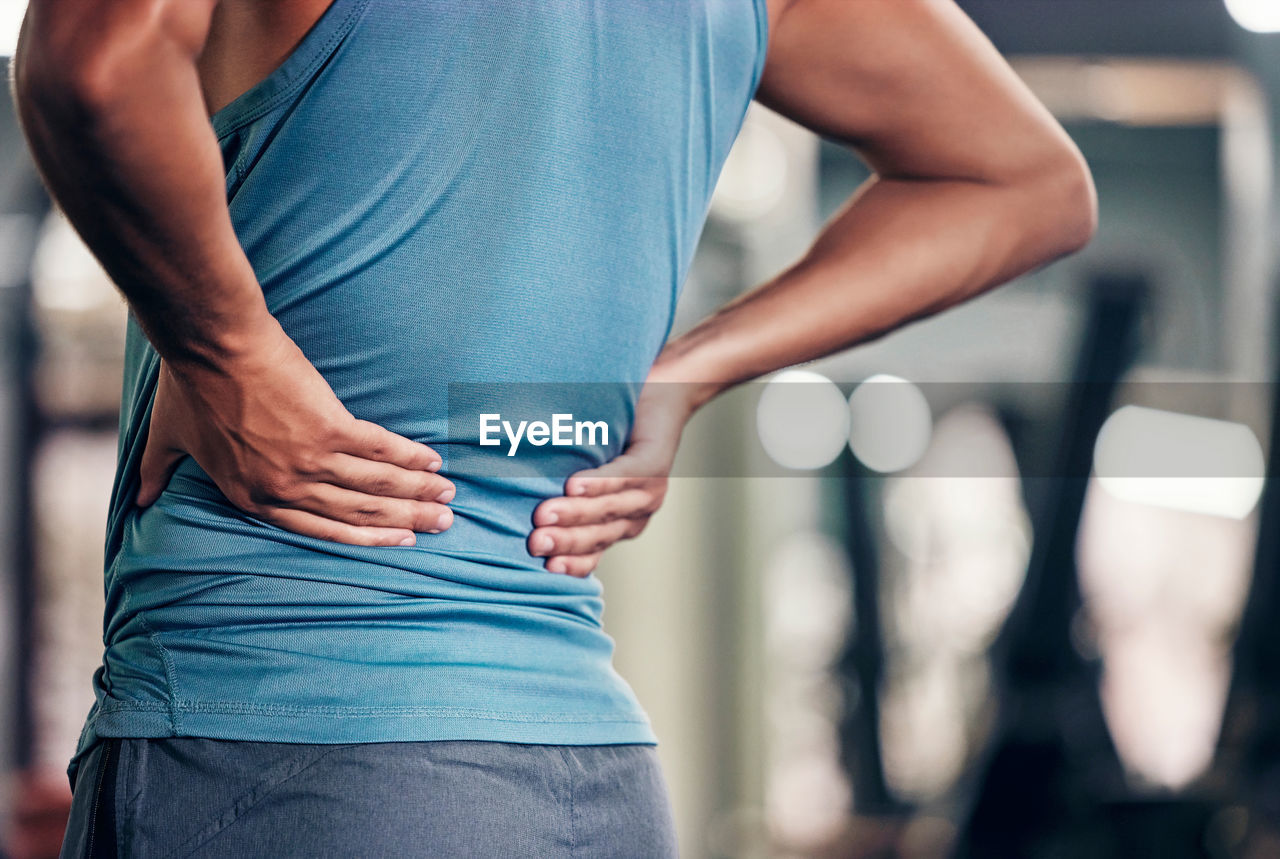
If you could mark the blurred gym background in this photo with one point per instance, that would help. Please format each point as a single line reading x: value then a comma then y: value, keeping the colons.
x: 945, y: 614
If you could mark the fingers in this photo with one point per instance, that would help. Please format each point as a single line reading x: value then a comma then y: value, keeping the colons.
x: 368, y: 440
x: 595, y: 510
x: 311, y: 525
x: 574, y: 565
x: 377, y: 488
x: 385, y: 479
x: 157, y: 466
x: 583, y: 540
x: 159, y: 458
x: 638, y: 468
x: 363, y: 509
x: 590, y: 484
x: 600, y: 507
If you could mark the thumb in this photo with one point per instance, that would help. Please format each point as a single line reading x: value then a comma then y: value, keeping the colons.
x: 159, y: 458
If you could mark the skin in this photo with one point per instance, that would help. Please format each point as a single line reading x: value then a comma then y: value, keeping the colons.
x: 115, y: 100
x: 974, y: 184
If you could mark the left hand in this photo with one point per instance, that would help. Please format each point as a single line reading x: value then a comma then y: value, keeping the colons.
x: 613, y: 502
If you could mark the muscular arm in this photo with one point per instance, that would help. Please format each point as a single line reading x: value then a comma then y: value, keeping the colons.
x: 112, y: 107
x: 973, y: 183
x: 110, y: 99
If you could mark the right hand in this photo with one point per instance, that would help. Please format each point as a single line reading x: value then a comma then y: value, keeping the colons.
x: 270, y: 432
x: 614, y: 502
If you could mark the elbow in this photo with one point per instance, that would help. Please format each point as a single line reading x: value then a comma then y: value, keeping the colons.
x: 1081, y: 205
x: 1066, y: 204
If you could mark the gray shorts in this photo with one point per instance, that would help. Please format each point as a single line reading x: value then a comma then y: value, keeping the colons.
x: 190, y: 796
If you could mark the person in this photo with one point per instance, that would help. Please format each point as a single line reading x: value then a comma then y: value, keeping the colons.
x: 347, y: 228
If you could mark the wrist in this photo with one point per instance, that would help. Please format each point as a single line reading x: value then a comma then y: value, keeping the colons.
x: 691, y: 386
x: 249, y: 340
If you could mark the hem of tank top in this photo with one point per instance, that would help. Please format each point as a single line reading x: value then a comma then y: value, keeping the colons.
x: 149, y: 720
x: 143, y: 719
x: 343, y: 711
x: 308, y: 55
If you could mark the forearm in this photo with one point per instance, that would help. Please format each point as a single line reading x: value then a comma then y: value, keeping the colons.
x: 114, y: 116
x: 899, y: 250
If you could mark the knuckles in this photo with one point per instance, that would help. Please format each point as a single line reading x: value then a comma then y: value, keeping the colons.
x: 366, y: 515
x: 329, y: 432
x: 272, y: 489
x: 381, y: 486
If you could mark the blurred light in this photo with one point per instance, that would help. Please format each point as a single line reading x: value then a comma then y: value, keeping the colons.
x: 1184, y: 462
x: 965, y: 542
x: 965, y: 539
x: 754, y: 176
x: 806, y: 587
x: 1163, y: 591
x: 808, y: 617
x: 1134, y: 91
x: 65, y: 275
x: 923, y: 730
x: 889, y: 423
x: 802, y: 419
x: 1257, y: 16
x: 11, y: 12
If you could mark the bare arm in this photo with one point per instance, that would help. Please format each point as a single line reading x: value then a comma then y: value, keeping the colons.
x: 111, y: 104
x: 110, y: 100
x: 974, y: 183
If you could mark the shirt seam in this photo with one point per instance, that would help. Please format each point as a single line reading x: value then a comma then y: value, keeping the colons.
x: 251, y: 113
x: 170, y: 674
x: 762, y: 46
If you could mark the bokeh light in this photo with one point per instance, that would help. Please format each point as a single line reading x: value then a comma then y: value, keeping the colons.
x: 802, y: 419
x: 1184, y: 462
x: 754, y: 177
x: 1257, y: 16
x: 889, y: 423
x: 11, y: 12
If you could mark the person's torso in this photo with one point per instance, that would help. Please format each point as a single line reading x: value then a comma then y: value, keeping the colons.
x: 469, y: 193
x: 448, y: 204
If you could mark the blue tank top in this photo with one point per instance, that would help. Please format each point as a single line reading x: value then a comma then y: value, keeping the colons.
x: 444, y: 200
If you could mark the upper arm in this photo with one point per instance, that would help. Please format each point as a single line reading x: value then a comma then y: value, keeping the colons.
x: 912, y: 85
x: 82, y: 42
